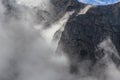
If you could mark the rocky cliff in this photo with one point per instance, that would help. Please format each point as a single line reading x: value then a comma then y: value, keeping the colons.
x: 93, y: 38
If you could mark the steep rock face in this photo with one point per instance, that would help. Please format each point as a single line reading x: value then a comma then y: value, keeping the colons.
x: 63, y: 6
x: 94, y: 37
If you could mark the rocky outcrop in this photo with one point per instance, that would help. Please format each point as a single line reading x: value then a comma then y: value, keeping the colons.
x: 63, y: 6
x: 92, y: 37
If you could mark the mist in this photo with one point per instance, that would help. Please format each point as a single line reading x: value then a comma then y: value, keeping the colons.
x: 25, y: 53
x: 29, y: 35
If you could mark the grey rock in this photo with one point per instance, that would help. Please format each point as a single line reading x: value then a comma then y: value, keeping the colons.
x: 84, y: 33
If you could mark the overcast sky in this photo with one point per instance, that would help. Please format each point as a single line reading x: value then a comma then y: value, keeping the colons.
x: 99, y: 2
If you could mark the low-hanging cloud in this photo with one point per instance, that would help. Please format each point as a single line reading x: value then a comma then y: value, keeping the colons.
x: 24, y: 50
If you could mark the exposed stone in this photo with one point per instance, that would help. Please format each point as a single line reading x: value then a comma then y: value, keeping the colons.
x: 86, y: 35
